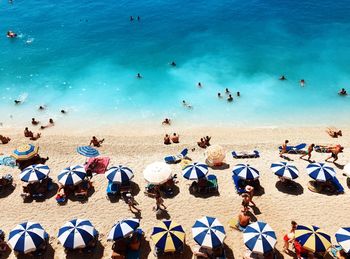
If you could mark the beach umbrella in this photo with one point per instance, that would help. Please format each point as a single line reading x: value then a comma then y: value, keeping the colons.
x: 195, y: 171
x: 123, y: 228
x: 320, y: 172
x: 245, y: 172
x: 87, y: 151
x: 157, y: 173
x: 34, y: 173
x: 215, y: 154
x: 343, y: 238
x: 27, y: 237
x: 119, y: 174
x: 259, y: 237
x: 208, y: 232
x: 312, y: 238
x: 72, y: 175
x: 168, y: 236
x: 347, y: 169
x: 77, y: 233
x: 25, y: 152
x: 285, y: 170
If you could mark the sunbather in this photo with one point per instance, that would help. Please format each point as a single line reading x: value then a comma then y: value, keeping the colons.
x: 34, y: 122
x: 95, y: 142
x: 250, y: 191
x: 28, y: 133
x: 119, y: 248
x: 289, y: 238
x: 167, y: 139
x: 175, y: 138
x: 308, y: 152
x: 51, y: 123
x: 284, y: 148
x: 4, y: 140
x: 35, y: 137
x: 334, y: 133
x: 201, y: 143
x: 243, y: 220
x: 207, y: 140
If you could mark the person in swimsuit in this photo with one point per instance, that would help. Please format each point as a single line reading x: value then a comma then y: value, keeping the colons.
x: 243, y: 220
x: 283, y: 78
x: 334, y: 152
x: 229, y: 98
x: 302, y: 82
x: 284, y: 148
x: 34, y: 122
x: 308, y: 152
x: 167, y: 140
x: 343, y: 92
x: 175, y: 138
x: 289, y: 237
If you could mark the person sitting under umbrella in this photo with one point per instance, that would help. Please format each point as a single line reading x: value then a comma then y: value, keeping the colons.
x: 95, y: 142
x: 3, y: 244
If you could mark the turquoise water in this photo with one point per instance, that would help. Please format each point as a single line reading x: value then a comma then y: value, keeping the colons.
x: 83, y: 56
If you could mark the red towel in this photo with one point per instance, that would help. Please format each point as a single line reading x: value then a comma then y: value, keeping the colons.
x: 97, y: 165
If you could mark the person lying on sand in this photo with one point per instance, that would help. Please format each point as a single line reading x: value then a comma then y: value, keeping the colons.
x: 28, y: 133
x: 166, y: 121
x: 167, y: 139
x: 95, y: 142
x: 4, y: 140
x: 334, y: 133
x: 175, y: 138
x: 35, y: 137
x: 308, y: 152
x: 34, y: 122
x: 51, y: 123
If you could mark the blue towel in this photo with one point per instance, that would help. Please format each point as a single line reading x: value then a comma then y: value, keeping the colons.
x: 112, y: 188
x: 236, y: 181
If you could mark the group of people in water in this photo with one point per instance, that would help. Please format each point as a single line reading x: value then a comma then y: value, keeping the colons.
x: 229, y: 95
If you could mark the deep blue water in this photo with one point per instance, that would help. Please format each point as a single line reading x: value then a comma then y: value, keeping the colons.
x: 83, y: 56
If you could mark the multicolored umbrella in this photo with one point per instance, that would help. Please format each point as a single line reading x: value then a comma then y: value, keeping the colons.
x: 88, y: 151
x: 72, y: 175
x: 34, y: 173
x: 320, y: 172
x: 119, y: 174
x: 312, y: 238
x: 215, y: 154
x: 123, y: 228
x: 195, y: 171
x: 157, y: 173
x: 25, y: 152
x: 168, y: 236
x: 259, y: 237
x: 343, y: 238
x: 77, y: 233
x: 285, y: 170
x: 208, y: 232
x: 27, y: 237
x: 245, y: 172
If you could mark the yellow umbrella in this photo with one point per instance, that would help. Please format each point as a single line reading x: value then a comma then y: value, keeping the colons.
x: 25, y: 152
x: 215, y: 155
x: 168, y: 236
x: 312, y: 238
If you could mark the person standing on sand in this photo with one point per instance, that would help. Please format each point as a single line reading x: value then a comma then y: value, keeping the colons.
x: 159, y: 202
x: 289, y: 238
x: 284, y: 148
x: 308, y: 152
x: 335, y: 152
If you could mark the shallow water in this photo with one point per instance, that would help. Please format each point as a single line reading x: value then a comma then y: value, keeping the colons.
x: 83, y: 56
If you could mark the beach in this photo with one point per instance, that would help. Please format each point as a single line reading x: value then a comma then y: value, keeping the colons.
x: 138, y: 147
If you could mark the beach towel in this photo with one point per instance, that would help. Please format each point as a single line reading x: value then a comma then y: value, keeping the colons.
x: 8, y: 161
x: 177, y: 158
x: 243, y: 154
x: 97, y: 165
x: 294, y: 149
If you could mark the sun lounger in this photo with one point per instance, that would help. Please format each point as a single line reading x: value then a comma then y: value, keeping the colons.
x: 320, y: 149
x: 238, y: 155
x: 7, y: 161
x: 238, y: 184
x: 177, y: 158
x: 97, y: 165
x: 212, y: 183
x: 294, y: 149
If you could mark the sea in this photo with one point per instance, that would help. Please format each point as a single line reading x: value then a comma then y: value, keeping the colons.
x: 83, y: 57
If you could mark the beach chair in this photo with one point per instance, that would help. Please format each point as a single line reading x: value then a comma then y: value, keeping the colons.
x: 238, y: 182
x: 112, y: 190
x: 239, y: 155
x: 212, y: 183
x: 177, y: 158
x: 294, y: 149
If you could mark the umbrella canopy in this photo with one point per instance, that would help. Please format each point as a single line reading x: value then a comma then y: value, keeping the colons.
x: 72, y: 175
x: 34, y: 173
x: 195, y: 171
x: 208, y: 232
x: 259, y: 237
x: 119, y: 174
x: 245, y: 172
x: 87, y: 151
x: 27, y: 237
x: 285, y: 170
x: 168, y: 236
x: 347, y: 169
x: 25, y: 152
x: 123, y: 228
x: 343, y: 238
x: 157, y: 173
x: 312, y: 238
x: 76, y: 233
x: 320, y: 172
x: 215, y: 154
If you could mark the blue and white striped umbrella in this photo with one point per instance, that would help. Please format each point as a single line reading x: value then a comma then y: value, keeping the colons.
x: 285, y: 170
x: 245, y: 172
x: 87, y: 151
x: 34, y: 173
x: 123, y: 228
x: 27, y: 237
x: 195, y: 171
x: 77, y: 233
x: 72, y: 175
x: 208, y: 232
x: 119, y: 174
x: 320, y: 172
x: 343, y: 238
x: 259, y: 237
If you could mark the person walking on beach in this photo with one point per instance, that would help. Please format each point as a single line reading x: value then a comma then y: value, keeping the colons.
x: 284, y: 148
x: 289, y: 237
x: 335, y: 152
x: 308, y: 152
x: 159, y: 202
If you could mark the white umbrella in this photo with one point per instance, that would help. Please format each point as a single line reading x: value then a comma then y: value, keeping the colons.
x: 157, y: 173
x: 215, y: 155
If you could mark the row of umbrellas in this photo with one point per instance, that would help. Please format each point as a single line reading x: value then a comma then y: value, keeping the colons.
x: 169, y: 236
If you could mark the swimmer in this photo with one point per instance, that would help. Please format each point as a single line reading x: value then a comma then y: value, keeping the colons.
x: 63, y: 111
x: 34, y: 122
x: 282, y: 78
x: 184, y: 103
x: 138, y: 75
x: 227, y: 91
x: 199, y: 84
x: 41, y: 107
x: 219, y: 95
x: 131, y: 18
x: 11, y: 34
x: 17, y: 102
x: 173, y: 64
x: 342, y: 92
x: 229, y: 98
x: 138, y: 18
x: 302, y: 82
x: 238, y: 94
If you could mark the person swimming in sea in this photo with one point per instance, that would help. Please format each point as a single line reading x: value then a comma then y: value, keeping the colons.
x: 229, y: 98
x: 17, y: 101
x: 227, y: 91
x: 41, y: 107
x: 199, y: 84
x: 138, y: 75
x: 34, y: 122
x: 238, y: 94
x: 138, y: 18
x: 173, y: 64
x: 184, y: 103
x: 63, y: 111
x: 131, y: 18
x: 343, y: 92
x: 219, y: 95
x: 282, y: 78
x: 11, y: 34
x: 302, y: 82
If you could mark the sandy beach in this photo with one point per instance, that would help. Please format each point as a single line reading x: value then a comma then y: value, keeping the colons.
x: 135, y: 150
